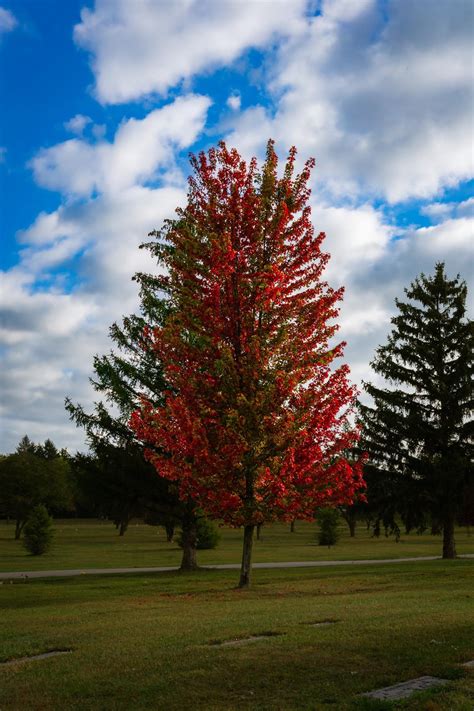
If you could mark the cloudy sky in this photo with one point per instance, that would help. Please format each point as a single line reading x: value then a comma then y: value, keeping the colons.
x: 102, y: 102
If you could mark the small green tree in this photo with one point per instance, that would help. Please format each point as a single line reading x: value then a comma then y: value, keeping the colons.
x: 38, y: 533
x: 207, y: 534
x: 328, y: 522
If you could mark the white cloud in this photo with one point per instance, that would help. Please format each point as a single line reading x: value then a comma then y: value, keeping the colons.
x: 79, y: 168
x: 77, y: 124
x: 373, y: 284
x: 384, y: 102
x: 144, y: 46
x: 51, y: 328
x: 234, y: 101
x: 99, y: 130
x: 438, y: 211
x: 354, y: 237
x: 8, y: 21
x: 49, y: 335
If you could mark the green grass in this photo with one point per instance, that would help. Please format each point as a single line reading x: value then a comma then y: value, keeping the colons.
x: 145, y: 641
x: 95, y: 544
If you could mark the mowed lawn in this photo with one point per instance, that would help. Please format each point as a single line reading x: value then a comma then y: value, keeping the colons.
x: 149, y: 641
x: 96, y: 544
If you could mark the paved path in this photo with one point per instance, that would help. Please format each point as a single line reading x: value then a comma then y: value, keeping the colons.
x: 226, y: 566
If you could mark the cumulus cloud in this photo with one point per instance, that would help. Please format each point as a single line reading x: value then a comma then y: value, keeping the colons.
x: 382, y: 99
x: 234, y: 101
x: 80, y: 168
x: 52, y: 327
x: 438, y: 211
x: 77, y: 124
x: 50, y: 334
x: 8, y: 21
x: 372, y: 285
x: 144, y: 46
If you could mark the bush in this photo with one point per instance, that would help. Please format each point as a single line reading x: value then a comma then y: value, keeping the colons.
x: 328, y: 521
x: 38, y: 531
x: 208, y: 535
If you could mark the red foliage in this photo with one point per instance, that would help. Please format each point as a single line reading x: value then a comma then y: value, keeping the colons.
x: 254, y: 424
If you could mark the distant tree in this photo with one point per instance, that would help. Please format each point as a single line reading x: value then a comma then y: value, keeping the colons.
x: 328, y: 527
x: 38, y: 534
x: 25, y: 445
x: 349, y: 514
x: 119, y: 484
x: 419, y: 430
x: 27, y: 480
x: 158, y: 518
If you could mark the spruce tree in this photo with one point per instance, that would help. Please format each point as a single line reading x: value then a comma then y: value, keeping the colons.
x: 122, y: 377
x: 419, y: 430
x: 38, y: 531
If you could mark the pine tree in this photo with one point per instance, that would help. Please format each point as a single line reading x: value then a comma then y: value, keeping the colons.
x: 253, y: 426
x: 38, y: 531
x: 419, y: 430
x: 121, y: 378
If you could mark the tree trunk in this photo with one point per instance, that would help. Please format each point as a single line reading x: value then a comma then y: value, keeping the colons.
x: 169, y: 528
x: 352, y: 527
x: 246, y: 566
x: 259, y: 528
x: 449, y: 544
x: 292, y: 526
x: 18, y: 528
x: 189, y: 540
x: 123, y: 526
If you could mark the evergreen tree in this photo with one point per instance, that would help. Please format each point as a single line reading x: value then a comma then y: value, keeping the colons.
x: 419, y: 430
x: 26, y: 445
x: 122, y: 377
x: 328, y: 527
x: 38, y: 531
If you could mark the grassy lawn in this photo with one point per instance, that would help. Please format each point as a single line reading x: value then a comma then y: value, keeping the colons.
x: 146, y: 641
x: 95, y: 544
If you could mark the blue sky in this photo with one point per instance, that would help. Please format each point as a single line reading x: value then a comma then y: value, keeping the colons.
x: 103, y: 102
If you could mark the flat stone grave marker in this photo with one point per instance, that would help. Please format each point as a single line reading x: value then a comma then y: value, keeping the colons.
x: 468, y: 664
x: 406, y: 688
x: 245, y: 640
x: 36, y: 657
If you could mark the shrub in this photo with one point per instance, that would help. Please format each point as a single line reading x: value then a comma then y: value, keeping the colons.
x: 38, y: 531
x: 328, y: 521
x: 208, y: 535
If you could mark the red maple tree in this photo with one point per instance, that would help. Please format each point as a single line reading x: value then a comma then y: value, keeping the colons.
x: 255, y: 420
